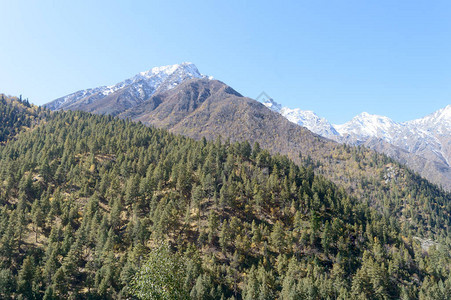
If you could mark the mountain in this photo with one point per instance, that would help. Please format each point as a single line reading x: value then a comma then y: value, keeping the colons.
x: 128, y: 93
x: 427, y: 140
x: 428, y: 133
x: 197, y: 106
x: 209, y: 108
x: 206, y: 108
x: 424, y: 144
x: 435, y: 133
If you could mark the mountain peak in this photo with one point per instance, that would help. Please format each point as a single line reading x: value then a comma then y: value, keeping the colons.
x: 371, y: 119
x: 130, y: 92
x: 367, y: 125
x: 364, y: 115
x: 368, y: 116
x: 187, y: 67
x: 445, y: 112
x: 438, y: 121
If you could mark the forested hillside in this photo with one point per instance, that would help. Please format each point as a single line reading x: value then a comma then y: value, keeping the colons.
x: 87, y: 200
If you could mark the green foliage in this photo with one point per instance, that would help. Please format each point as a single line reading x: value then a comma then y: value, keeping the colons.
x: 161, y: 276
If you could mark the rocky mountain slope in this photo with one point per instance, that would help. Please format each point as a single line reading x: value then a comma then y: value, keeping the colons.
x: 424, y: 144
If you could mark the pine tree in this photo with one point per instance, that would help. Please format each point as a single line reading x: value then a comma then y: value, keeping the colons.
x: 25, y: 278
x: 278, y: 237
x: 37, y: 217
x: 7, y: 283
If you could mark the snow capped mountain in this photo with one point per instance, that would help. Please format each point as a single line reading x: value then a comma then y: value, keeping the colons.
x: 365, y: 125
x: 170, y: 76
x: 305, y: 118
x: 423, y: 144
x: 133, y: 90
x: 428, y: 137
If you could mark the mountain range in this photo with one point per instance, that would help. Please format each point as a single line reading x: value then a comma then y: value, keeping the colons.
x: 424, y: 145
x: 249, y: 204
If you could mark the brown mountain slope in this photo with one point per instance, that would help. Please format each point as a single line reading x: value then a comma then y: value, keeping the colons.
x: 209, y: 108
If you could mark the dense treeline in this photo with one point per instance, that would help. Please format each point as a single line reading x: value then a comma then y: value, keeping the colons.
x: 86, y: 202
x: 17, y: 115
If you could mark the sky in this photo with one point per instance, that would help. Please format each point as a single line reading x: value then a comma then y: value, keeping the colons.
x: 337, y: 58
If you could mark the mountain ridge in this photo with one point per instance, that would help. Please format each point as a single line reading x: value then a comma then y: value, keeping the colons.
x: 127, y: 93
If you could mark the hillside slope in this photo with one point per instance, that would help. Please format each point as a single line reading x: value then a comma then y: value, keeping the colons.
x: 17, y: 115
x: 84, y: 198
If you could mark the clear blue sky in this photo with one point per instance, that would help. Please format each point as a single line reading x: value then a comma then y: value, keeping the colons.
x: 337, y: 58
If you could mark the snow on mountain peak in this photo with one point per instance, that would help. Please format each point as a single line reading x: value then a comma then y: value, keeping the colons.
x: 305, y: 118
x: 438, y: 122
x: 141, y: 86
x: 444, y: 113
x: 370, y: 117
x: 187, y: 67
x: 155, y: 77
x: 367, y: 125
x: 310, y: 120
